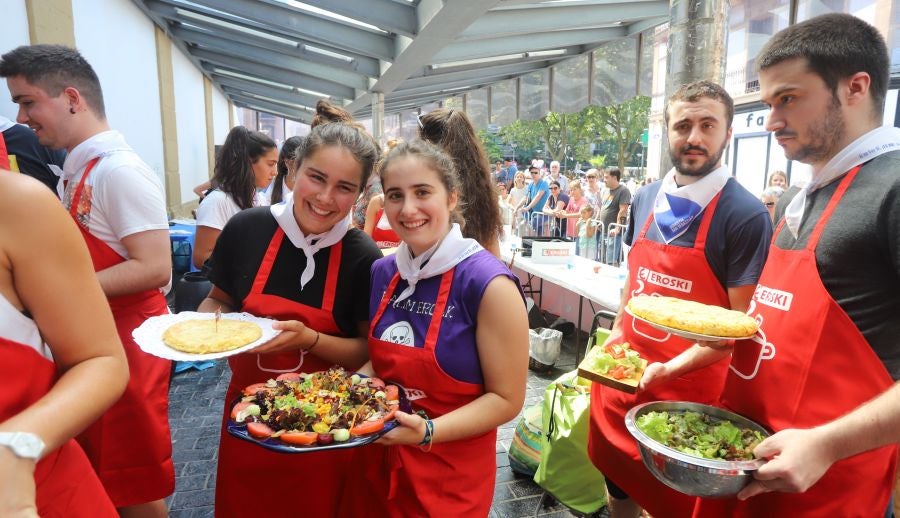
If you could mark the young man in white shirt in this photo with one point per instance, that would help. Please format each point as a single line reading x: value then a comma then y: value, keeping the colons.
x: 118, y: 204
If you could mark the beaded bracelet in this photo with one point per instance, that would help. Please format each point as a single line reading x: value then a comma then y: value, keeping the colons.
x: 428, y: 440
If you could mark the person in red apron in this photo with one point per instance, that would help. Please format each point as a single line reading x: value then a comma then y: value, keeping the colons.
x: 453, y: 333
x: 817, y: 371
x: 300, y: 263
x: 670, y: 265
x: 118, y: 204
x: 378, y: 226
x: 50, y: 391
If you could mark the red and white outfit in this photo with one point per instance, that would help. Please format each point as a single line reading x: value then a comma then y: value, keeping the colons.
x: 310, y: 484
x: 808, y: 365
x: 611, y: 447
x: 130, y: 445
x: 383, y: 235
x: 66, y: 485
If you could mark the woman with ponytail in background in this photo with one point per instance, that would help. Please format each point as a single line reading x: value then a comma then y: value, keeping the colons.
x: 283, y: 184
x: 452, y: 131
x: 245, y: 165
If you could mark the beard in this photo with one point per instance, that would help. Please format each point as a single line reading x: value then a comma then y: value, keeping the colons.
x: 823, y: 136
x: 702, y: 169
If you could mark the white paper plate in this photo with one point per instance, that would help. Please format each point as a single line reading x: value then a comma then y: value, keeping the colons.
x: 686, y: 334
x: 149, y: 334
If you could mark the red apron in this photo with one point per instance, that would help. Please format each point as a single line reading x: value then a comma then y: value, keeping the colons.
x: 253, y: 481
x: 656, y: 268
x: 454, y: 478
x: 4, y: 155
x: 65, y: 481
x: 131, y: 475
x: 808, y: 365
x: 384, y: 238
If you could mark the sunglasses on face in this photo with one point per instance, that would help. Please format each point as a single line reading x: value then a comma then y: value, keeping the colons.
x: 554, y: 188
x: 591, y: 177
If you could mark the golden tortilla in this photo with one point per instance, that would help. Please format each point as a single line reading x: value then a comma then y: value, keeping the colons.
x: 205, y: 336
x: 693, y: 317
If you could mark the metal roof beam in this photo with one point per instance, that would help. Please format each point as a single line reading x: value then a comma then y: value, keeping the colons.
x: 280, y: 17
x: 464, y: 50
x: 273, y: 108
x: 561, y: 18
x: 292, y: 96
x: 642, y: 25
x: 439, y: 23
x: 275, y: 59
x: 276, y: 74
x: 197, y: 32
x: 391, y: 16
x: 486, y: 72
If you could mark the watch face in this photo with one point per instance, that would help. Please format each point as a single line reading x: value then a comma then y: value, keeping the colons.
x: 27, y: 445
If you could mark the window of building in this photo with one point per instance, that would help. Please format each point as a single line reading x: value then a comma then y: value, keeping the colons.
x: 503, y: 102
x: 570, y: 85
x: 615, y: 72
x: 534, y: 95
x: 477, y: 108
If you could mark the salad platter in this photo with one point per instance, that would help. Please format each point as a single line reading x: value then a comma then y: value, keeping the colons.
x: 617, y: 366
x: 300, y: 413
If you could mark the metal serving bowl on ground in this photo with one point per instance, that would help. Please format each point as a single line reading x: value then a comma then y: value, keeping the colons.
x: 688, y: 474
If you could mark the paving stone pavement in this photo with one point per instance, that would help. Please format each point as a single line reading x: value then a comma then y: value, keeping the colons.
x: 195, y: 411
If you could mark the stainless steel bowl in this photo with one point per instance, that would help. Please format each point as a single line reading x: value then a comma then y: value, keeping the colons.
x: 686, y: 473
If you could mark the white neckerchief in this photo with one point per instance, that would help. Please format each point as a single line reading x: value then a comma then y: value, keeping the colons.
x: 874, y: 143
x: 676, y: 207
x: 5, y: 123
x: 101, y: 144
x: 284, y: 215
x: 438, y: 259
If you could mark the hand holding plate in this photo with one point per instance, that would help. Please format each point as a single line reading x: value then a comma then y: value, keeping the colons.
x: 294, y: 335
x: 411, y: 430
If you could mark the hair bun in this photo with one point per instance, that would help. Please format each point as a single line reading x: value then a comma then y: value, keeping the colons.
x: 327, y: 112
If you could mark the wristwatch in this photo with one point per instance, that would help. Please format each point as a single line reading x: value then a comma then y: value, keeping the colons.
x: 24, y: 444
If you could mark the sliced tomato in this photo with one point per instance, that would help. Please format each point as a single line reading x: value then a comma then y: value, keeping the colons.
x: 390, y: 414
x: 618, y: 372
x: 392, y: 393
x: 299, y: 438
x: 238, y: 407
x: 260, y: 430
x: 367, y: 427
x: 376, y: 383
x: 251, y: 390
x: 289, y: 376
x: 629, y: 372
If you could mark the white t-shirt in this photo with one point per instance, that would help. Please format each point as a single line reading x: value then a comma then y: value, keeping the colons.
x: 123, y: 193
x: 218, y: 207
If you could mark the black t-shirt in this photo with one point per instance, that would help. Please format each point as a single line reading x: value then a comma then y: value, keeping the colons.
x: 32, y: 157
x: 739, y: 234
x: 609, y: 206
x: 243, y: 242
x: 858, y: 255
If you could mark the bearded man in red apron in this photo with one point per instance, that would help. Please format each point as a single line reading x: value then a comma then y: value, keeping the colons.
x: 117, y: 202
x: 821, y: 370
x: 699, y: 236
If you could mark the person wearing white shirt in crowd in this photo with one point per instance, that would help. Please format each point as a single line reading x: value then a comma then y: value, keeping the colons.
x: 246, y: 163
x: 556, y: 176
x: 117, y: 201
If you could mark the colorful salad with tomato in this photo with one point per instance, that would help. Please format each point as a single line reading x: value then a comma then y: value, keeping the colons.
x: 321, y: 408
x: 617, y: 361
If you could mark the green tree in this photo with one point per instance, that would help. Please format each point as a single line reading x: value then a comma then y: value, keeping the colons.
x: 623, y: 124
x: 525, y: 138
x: 491, y: 144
